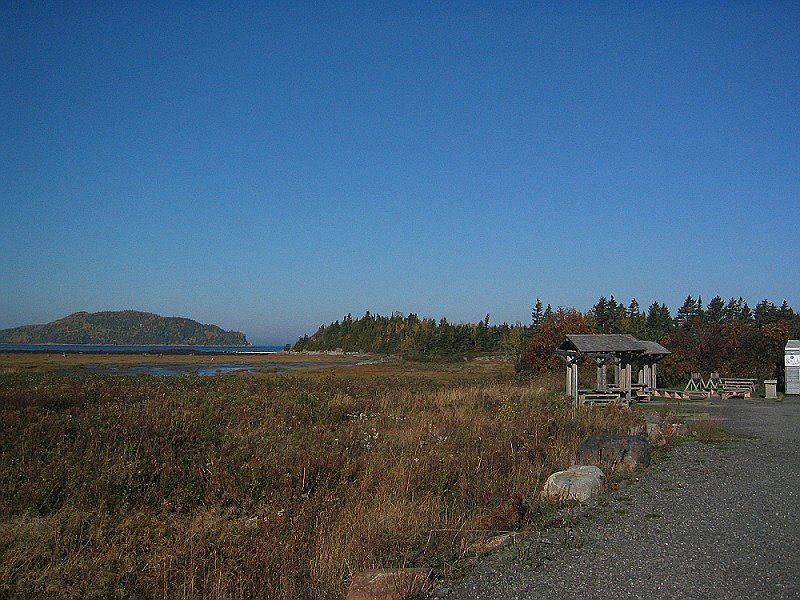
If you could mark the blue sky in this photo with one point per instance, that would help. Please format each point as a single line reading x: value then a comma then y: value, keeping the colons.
x: 269, y: 167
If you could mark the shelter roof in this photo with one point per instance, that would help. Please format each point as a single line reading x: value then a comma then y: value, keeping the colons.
x: 793, y: 345
x: 654, y: 348
x: 602, y: 343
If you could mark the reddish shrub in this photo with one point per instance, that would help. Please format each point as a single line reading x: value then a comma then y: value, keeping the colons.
x: 541, y: 351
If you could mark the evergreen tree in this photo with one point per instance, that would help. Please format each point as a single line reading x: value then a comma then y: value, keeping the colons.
x: 537, y: 315
x: 715, y: 311
x: 635, y: 322
x: 616, y: 316
x: 765, y: 312
x: 600, y: 314
x: 687, y: 312
x: 745, y: 314
x: 659, y: 321
x: 785, y: 312
x: 730, y: 311
x: 548, y: 312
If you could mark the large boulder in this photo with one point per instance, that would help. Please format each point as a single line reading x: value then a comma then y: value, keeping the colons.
x: 576, y: 483
x: 388, y: 584
x: 615, y: 452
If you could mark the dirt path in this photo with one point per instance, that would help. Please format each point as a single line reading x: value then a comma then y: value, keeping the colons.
x: 709, y: 521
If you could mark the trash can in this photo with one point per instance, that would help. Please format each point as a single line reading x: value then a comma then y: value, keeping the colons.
x: 770, y: 388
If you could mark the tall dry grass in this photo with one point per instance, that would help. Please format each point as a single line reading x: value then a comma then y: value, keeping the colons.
x: 276, y: 487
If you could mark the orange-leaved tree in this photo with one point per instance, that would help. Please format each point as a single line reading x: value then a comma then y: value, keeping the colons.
x: 540, y: 355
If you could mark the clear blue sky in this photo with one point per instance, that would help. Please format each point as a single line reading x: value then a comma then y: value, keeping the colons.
x: 269, y: 167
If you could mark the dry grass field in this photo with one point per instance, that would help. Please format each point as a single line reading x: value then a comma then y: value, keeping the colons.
x: 266, y: 485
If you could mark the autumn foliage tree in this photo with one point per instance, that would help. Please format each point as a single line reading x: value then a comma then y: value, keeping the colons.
x: 540, y: 355
x: 730, y: 339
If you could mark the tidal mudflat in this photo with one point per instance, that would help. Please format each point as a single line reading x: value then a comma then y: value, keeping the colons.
x: 170, y: 364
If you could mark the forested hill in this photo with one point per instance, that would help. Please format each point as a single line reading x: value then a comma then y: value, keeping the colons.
x: 127, y: 327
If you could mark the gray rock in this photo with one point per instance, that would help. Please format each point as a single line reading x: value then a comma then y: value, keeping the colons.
x: 589, y: 470
x: 615, y: 452
x: 577, y: 483
x: 388, y: 584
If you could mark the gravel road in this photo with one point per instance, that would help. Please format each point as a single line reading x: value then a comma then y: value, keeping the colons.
x: 715, y: 520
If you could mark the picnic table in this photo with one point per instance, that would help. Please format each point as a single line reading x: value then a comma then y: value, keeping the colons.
x: 639, y: 391
x: 601, y: 397
x: 737, y: 387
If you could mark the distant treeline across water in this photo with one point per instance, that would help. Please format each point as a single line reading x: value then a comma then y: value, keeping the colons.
x: 120, y: 349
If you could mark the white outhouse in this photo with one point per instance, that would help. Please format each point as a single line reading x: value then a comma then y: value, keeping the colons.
x: 792, y: 364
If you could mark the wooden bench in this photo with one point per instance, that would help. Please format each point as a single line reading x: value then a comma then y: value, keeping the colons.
x: 598, y: 398
x: 737, y: 387
x: 639, y: 392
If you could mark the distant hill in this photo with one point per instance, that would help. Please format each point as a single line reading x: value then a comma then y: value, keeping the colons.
x: 126, y: 327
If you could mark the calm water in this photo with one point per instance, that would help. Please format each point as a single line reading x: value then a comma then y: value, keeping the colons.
x: 178, y: 369
x: 107, y: 349
x: 203, y: 366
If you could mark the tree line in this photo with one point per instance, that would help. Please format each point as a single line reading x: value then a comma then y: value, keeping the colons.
x: 722, y: 336
x: 403, y: 334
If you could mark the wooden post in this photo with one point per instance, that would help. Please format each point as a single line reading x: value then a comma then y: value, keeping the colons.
x: 575, y: 383
x: 628, y: 378
x: 602, y: 375
x: 569, y: 379
x: 654, y: 377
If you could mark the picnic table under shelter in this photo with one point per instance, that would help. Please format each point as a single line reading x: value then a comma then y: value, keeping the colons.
x: 622, y: 351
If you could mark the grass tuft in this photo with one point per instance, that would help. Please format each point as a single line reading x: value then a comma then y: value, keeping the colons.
x: 709, y: 431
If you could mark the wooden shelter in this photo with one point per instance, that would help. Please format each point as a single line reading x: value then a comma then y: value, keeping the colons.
x: 619, y: 350
x: 653, y: 352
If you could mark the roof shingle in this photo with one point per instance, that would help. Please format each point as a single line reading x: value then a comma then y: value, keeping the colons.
x: 610, y: 343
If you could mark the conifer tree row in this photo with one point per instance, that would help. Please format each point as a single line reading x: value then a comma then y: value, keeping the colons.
x: 407, y: 334
x: 722, y: 336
